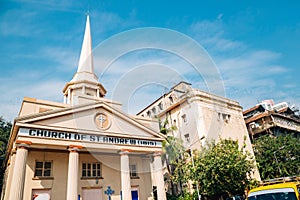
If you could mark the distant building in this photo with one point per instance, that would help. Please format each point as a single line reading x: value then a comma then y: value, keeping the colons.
x: 199, y: 117
x: 273, y: 119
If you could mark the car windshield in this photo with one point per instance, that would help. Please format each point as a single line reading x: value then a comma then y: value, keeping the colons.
x: 273, y: 194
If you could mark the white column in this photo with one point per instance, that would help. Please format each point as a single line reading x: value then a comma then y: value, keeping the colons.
x: 72, y: 185
x: 98, y: 93
x: 10, y: 172
x: 83, y: 89
x: 158, y: 176
x: 125, y: 175
x: 19, y: 171
x: 69, y: 96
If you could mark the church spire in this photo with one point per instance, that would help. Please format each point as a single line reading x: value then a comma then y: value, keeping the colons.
x: 85, y: 81
x: 85, y: 69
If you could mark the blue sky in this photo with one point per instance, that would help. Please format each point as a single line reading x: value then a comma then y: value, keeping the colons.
x: 254, y: 45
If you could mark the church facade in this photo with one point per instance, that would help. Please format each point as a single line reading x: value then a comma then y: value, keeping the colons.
x: 85, y: 148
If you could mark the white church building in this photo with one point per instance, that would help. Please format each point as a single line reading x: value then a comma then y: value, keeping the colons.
x: 86, y: 148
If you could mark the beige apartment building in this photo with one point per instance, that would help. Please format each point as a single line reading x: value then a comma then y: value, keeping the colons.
x: 83, y: 149
x: 199, y: 117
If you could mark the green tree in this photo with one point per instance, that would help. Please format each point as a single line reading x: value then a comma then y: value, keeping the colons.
x: 222, y: 169
x: 277, y: 156
x: 5, y: 128
x: 181, y: 174
x: 172, y: 151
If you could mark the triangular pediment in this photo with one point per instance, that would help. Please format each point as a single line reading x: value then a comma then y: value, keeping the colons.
x: 93, y: 118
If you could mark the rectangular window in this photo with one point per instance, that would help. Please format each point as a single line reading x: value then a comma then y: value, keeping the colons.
x: 91, y: 170
x: 160, y: 106
x: 226, y: 117
x: 184, y: 118
x: 154, y: 110
x: 43, y: 168
x: 187, y: 137
x: 41, y: 194
x: 133, y: 171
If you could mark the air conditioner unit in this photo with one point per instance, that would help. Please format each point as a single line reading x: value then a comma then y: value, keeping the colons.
x: 253, y: 125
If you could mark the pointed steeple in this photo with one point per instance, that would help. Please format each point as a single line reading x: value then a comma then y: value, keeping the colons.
x: 85, y: 69
x: 85, y: 81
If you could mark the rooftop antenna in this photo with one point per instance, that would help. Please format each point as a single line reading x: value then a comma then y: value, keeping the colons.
x: 164, y: 91
x: 258, y: 100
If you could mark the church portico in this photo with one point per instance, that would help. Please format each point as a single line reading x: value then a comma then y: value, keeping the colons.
x: 75, y: 169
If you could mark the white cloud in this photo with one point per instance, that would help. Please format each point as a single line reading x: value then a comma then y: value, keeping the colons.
x: 28, y: 84
x: 249, y: 75
x: 58, y: 5
x: 211, y: 35
x: 18, y: 22
x: 109, y: 22
x: 66, y: 59
x: 136, y: 65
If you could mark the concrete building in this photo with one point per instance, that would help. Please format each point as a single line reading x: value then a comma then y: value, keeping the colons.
x: 199, y: 117
x: 85, y: 148
x: 273, y: 119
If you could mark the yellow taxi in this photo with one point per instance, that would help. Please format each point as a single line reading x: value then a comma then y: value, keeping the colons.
x: 287, y: 188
